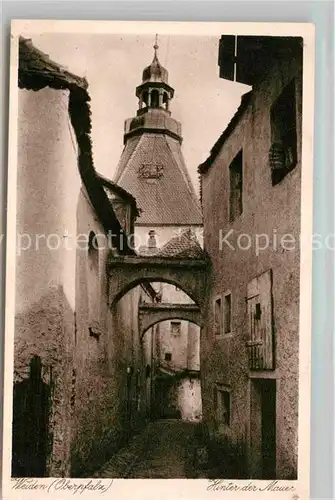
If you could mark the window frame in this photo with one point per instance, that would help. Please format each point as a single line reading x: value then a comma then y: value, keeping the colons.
x: 234, y: 216
x: 93, y: 257
x: 219, y: 390
x: 215, y: 299
x: 226, y: 294
x: 223, y: 333
x: 175, y: 322
x: 277, y: 137
x: 93, y: 277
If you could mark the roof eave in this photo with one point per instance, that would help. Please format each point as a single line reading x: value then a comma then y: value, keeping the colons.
x: 205, y: 166
x: 79, y: 113
x: 36, y: 70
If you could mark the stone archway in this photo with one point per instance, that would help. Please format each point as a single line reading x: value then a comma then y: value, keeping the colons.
x: 151, y: 314
x: 190, y: 275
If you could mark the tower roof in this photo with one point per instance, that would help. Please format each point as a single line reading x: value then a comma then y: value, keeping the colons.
x: 153, y: 170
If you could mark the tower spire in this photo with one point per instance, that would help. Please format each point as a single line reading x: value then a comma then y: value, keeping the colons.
x: 156, y: 47
x: 154, y: 91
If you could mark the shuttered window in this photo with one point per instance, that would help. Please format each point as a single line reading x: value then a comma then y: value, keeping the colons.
x: 222, y: 405
x: 260, y: 322
x: 236, y: 187
x: 218, y: 319
x: 227, y: 313
x: 283, y: 151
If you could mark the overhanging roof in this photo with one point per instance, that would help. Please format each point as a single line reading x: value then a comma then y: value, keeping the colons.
x: 37, y: 71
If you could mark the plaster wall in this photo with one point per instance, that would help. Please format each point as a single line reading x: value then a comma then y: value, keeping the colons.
x: 48, y: 184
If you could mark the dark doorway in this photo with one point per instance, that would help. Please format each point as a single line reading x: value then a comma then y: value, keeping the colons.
x: 268, y: 411
x: 31, y: 410
x: 165, y: 406
x: 263, y: 429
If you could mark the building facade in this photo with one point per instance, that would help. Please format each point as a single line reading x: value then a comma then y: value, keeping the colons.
x: 250, y: 343
x: 79, y: 364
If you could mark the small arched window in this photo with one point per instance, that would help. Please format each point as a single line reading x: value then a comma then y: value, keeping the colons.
x: 93, y: 251
x: 154, y: 99
x: 93, y: 286
x: 145, y: 98
x: 166, y: 100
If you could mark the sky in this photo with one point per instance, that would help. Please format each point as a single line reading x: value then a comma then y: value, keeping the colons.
x: 113, y: 65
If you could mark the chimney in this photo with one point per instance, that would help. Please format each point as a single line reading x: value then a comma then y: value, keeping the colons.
x: 152, y: 243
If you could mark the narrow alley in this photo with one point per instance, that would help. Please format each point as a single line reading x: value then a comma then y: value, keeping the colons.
x: 150, y: 341
x: 164, y: 450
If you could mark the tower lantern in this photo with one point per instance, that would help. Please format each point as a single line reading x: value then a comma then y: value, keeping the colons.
x: 154, y: 91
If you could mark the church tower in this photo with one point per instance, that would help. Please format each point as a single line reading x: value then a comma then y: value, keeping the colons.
x: 152, y: 167
x: 153, y: 170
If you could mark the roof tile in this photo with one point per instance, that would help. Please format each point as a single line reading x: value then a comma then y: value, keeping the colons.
x: 168, y: 199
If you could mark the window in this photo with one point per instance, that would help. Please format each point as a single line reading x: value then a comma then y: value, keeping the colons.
x: 168, y: 356
x: 218, y: 316
x: 283, y: 151
x: 146, y: 98
x: 227, y: 313
x: 236, y: 187
x: 175, y: 327
x: 154, y: 99
x: 166, y: 100
x: 93, y: 284
x: 260, y: 319
x: 222, y: 405
x: 123, y: 213
x: 93, y: 252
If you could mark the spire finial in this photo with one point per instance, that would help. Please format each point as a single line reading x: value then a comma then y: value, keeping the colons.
x: 156, y: 46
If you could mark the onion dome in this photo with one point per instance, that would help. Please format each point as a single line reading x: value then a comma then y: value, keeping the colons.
x: 155, y: 71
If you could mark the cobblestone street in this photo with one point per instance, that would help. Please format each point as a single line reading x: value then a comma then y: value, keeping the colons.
x: 165, y: 449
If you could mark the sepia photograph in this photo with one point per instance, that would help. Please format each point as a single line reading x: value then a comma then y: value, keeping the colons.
x: 158, y: 186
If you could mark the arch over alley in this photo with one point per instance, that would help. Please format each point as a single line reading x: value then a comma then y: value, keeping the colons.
x: 151, y: 314
x: 190, y: 275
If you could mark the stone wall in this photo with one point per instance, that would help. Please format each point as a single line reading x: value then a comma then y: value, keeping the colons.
x: 46, y: 330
